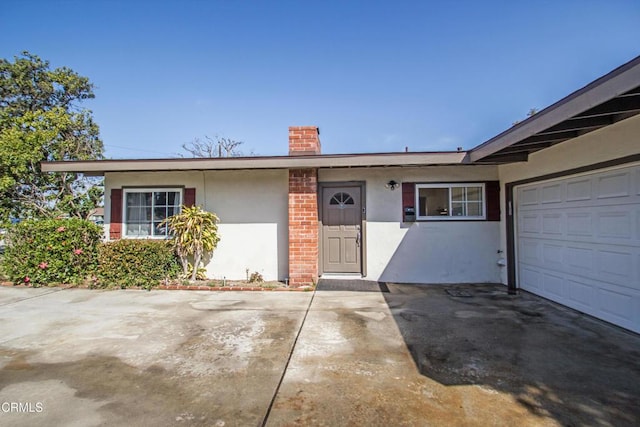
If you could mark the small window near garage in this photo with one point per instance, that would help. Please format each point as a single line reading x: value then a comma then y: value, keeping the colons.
x: 450, y: 201
x: 145, y: 209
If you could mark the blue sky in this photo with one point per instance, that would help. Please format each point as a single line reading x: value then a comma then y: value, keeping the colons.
x: 375, y: 76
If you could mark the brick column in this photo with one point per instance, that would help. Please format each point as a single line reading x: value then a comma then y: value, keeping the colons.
x: 303, y: 227
x: 303, y: 208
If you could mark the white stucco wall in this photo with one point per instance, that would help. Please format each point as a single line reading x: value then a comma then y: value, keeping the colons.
x: 251, y: 205
x: 423, y: 252
x: 609, y: 143
x: 253, y: 211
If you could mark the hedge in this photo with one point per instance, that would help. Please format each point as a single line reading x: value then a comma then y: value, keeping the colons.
x: 129, y: 263
x: 51, y: 251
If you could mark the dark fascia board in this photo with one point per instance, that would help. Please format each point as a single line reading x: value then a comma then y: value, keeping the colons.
x: 100, y: 167
x: 617, y: 82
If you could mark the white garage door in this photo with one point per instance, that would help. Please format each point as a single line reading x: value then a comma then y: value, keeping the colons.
x: 579, y: 243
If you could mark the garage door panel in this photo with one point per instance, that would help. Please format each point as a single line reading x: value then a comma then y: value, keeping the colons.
x: 579, y: 243
x: 530, y: 251
x: 580, y: 260
x: 580, y: 293
x: 614, y: 224
x: 616, y: 305
x: 553, y: 285
x: 579, y: 224
x: 607, y: 263
x: 553, y: 255
x: 531, y: 223
x: 531, y: 279
x: 552, y: 223
x: 529, y: 197
x: 552, y: 193
x: 579, y: 190
x: 613, y: 185
x: 615, y: 266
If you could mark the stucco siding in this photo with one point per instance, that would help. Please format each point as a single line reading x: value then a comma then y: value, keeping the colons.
x: 253, y: 211
x: 609, y: 143
x: 251, y: 205
x: 422, y: 252
x: 451, y: 252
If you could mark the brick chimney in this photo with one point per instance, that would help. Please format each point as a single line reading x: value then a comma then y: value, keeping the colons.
x: 304, y: 140
x: 303, y: 208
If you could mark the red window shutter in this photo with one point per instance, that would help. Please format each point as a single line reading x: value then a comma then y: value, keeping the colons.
x: 189, y: 197
x: 115, y: 226
x: 492, y: 189
x: 408, y: 196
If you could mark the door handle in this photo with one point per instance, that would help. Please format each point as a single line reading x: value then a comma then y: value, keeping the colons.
x: 358, y: 239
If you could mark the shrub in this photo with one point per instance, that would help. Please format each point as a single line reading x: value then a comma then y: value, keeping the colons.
x: 51, y: 251
x: 126, y: 263
x: 256, y: 278
x: 195, y: 232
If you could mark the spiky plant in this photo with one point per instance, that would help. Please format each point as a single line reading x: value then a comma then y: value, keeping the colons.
x: 194, y: 232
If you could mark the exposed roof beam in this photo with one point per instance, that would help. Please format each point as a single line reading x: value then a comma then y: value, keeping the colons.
x: 555, y: 137
x: 505, y: 158
x: 579, y: 124
x: 519, y: 148
x: 618, y: 117
x: 614, y: 106
x: 632, y: 92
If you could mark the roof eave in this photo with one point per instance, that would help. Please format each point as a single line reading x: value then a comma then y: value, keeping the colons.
x: 100, y: 167
x: 615, y: 83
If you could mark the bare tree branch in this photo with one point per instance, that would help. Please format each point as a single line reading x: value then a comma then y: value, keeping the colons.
x: 212, y: 147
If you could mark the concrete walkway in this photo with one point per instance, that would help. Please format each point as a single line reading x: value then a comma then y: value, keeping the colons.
x: 416, y: 355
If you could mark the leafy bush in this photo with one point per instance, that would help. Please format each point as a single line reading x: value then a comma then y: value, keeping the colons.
x: 195, y: 232
x: 126, y: 263
x: 3, y: 276
x: 51, y: 251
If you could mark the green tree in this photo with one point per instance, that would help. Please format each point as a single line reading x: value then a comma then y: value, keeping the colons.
x: 40, y: 120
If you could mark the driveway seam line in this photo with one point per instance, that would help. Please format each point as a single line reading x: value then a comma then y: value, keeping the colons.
x: 286, y: 365
x: 37, y: 296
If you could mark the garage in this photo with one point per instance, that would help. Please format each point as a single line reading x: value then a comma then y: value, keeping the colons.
x: 578, y: 242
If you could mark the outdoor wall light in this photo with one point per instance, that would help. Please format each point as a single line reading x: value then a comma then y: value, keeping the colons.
x: 391, y: 185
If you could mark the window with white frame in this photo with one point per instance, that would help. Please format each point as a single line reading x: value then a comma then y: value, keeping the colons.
x: 144, y: 210
x: 450, y: 201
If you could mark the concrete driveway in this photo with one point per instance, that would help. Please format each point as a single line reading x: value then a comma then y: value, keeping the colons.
x: 417, y: 355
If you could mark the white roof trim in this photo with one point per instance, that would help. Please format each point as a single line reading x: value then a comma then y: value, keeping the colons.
x: 99, y: 167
